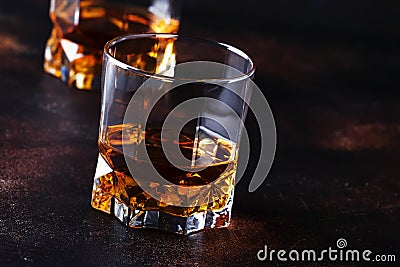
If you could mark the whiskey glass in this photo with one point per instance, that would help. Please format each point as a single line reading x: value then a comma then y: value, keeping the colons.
x: 81, y: 28
x: 172, y: 116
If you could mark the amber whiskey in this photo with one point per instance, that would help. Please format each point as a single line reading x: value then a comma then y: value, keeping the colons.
x: 117, y: 192
x: 81, y: 28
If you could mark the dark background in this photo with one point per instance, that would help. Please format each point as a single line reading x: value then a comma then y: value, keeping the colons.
x: 330, y: 71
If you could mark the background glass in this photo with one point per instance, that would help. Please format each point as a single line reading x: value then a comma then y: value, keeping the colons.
x: 81, y: 28
x: 209, y: 142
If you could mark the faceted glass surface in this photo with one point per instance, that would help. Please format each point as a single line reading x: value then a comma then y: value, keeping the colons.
x: 107, y: 197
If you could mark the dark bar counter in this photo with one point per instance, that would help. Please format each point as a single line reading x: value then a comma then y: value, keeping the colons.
x: 334, y: 92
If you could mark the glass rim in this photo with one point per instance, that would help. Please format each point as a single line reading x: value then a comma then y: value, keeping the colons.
x: 140, y: 72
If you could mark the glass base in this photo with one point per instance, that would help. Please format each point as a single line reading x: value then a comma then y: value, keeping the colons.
x: 65, y: 60
x: 104, y: 199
